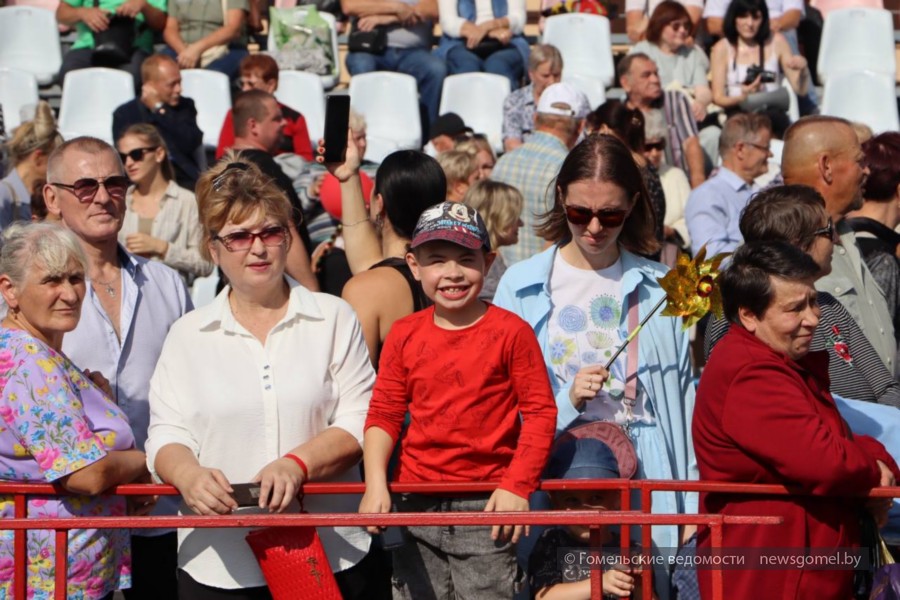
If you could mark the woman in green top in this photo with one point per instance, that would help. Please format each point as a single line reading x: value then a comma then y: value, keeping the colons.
x: 93, y: 16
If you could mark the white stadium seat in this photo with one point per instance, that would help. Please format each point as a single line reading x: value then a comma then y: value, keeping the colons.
x: 18, y: 91
x: 585, y: 44
x: 29, y: 40
x: 211, y: 93
x: 303, y: 92
x: 89, y: 98
x: 390, y: 104
x: 478, y: 99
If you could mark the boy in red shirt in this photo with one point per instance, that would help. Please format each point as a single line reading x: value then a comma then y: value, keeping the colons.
x: 472, y: 377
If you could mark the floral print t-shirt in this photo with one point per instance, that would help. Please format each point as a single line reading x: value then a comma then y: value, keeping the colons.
x: 585, y: 329
x: 53, y: 422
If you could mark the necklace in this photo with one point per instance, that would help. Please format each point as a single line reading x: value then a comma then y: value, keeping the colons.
x: 107, y: 284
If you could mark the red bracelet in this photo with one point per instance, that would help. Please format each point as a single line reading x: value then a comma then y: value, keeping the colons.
x: 300, y: 464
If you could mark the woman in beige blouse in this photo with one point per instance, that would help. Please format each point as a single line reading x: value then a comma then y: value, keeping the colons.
x: 161, y: 221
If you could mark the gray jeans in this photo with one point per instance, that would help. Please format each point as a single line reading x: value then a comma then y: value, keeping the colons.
x: 449, y: 563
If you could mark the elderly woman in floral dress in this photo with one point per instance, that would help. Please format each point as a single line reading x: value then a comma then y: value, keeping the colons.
x: 56, y: 424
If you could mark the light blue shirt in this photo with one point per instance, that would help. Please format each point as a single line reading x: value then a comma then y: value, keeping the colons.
x: 153, y: 298
x: 713, y: 212
x: 15, y: 200
x: 664, y: 368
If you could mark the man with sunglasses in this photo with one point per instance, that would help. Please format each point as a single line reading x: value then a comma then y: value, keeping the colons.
x: 128, y: 308
x: 713, y: 211
x: 532, y: 167
x: 824, y: 153
x: 162, y: 105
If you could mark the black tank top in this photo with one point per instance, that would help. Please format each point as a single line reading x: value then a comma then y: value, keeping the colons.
x: 420, y: 300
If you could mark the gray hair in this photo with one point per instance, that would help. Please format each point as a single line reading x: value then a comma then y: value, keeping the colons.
x: 47, y: 244
x: 655, y: 125
x: 86, y: 144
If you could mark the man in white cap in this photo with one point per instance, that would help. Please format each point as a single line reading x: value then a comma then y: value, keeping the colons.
x: 532, y: 167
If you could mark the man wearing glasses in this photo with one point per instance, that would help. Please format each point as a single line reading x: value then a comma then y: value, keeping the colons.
x: 824, y: 153
x: 129, y: 306
x: 713, y: 211
x: 162, y: 105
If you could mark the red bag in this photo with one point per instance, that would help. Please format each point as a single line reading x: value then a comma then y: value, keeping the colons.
x: 294, y: 563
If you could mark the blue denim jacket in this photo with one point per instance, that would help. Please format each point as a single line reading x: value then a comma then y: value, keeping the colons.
x: 466, y: 10
x: 664, y: 369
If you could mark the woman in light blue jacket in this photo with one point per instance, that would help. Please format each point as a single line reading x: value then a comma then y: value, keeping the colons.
x: 584, y: 294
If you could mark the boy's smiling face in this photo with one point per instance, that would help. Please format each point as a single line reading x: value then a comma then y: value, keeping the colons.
x: 452, y: 276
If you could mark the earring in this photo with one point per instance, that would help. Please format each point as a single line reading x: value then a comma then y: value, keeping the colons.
x: 379, y: 221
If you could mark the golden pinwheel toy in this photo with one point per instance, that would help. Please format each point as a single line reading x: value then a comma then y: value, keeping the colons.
x: 691, y: 290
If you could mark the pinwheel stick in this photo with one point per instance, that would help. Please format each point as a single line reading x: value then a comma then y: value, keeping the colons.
x: 634, y: 333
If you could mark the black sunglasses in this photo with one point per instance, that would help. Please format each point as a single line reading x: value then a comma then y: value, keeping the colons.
x: 136, y: 155
x: 579, y: 215
x: 86, y: 188
x: 827, y: 231
x: 660, y: 145
x: 240, y: 241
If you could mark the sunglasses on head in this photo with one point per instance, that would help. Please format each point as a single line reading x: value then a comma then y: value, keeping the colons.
x: 86, y: 188
x: 235, y: 167
x: 243, y: 240
x: 827, y: 231
x: 579, y: 215
x: 136, y: 155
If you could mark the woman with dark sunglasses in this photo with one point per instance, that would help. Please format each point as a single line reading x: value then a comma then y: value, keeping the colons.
x: 796, y: 214
x: 582, y: 296
x: 269, y: 384
x: 161, y: 220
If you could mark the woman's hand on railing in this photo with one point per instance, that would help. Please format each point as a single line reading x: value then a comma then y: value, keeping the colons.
x: 504, y: 501
x: 206, y: 491
x: 279, y: 483
x: 377, y: 499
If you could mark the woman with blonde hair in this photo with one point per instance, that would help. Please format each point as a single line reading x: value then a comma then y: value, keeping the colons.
x: 500, y: 205
x: 485, y: 159
x: 305, y: 418
x: 461, y: 172
x: 31, y: 144
x: 161, y: 221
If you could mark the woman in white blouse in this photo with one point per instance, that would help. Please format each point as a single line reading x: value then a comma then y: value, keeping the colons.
x: 484, y: 36
x: 161, y: 220
x: 270, y: 383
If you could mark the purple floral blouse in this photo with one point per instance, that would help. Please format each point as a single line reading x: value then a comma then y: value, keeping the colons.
x: 53, y: 422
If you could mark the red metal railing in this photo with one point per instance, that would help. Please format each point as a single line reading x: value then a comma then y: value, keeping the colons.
x: 593, y: 519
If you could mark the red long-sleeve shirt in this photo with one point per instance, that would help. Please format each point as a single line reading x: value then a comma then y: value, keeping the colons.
x: 296, y: 135
x: 466, y: 391
x: 761, y: 417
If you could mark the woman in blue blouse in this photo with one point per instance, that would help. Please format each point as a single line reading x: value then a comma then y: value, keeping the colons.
x: 584, y: 294
x: 484, y: 36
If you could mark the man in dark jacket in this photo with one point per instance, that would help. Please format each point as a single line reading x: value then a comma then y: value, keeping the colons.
x: 162, y: 105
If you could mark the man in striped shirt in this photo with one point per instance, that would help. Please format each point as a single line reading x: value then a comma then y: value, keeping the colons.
x: 639, y: 77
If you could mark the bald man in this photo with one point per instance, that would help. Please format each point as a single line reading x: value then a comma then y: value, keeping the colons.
x: 824, y: 153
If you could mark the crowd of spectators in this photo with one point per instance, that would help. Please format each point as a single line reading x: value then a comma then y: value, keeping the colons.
x: 449, y: 314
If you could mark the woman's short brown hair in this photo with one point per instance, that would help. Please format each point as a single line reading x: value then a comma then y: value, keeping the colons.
x: 233, y: 190
x: 882, y: 157
x: 666, y: 12
x: 604, y: 158
x: 790, y: 213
